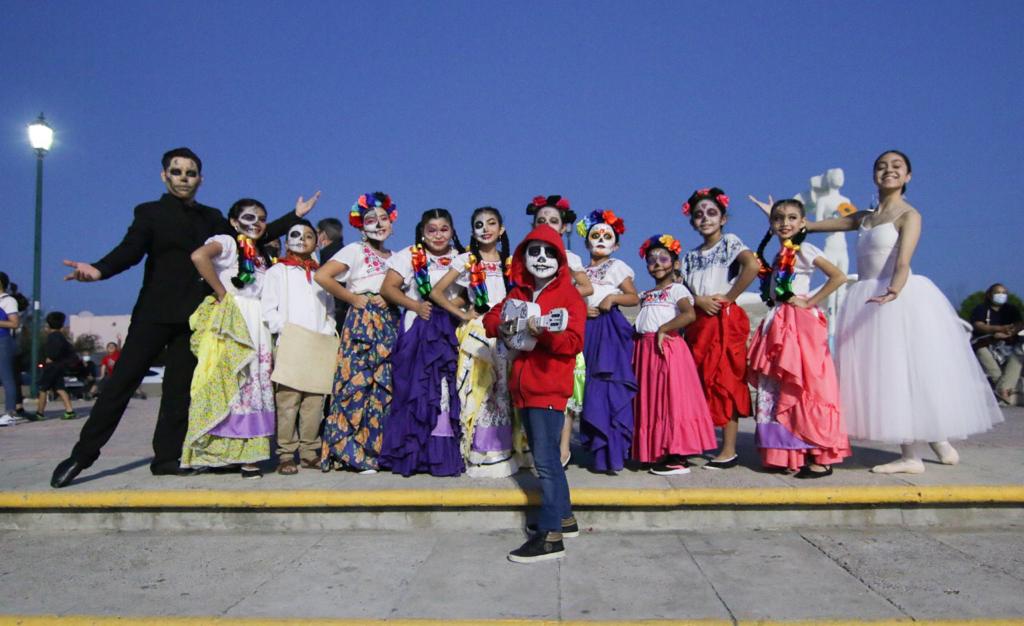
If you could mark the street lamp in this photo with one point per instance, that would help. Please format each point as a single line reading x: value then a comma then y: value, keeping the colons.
x: 40, y: 135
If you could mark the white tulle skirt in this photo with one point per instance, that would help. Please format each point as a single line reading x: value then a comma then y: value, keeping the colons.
x: 906, y: 369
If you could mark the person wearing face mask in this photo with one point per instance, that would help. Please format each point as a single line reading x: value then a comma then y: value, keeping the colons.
x: 606, y: 426
x: 542, y: 378
x: 291, y: 296
x: 165, y: 232
x: 354, y: 426
x: 996, y: 343
x: 423, y: 431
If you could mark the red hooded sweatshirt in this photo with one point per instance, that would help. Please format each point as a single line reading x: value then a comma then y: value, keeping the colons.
x: 542, y: 377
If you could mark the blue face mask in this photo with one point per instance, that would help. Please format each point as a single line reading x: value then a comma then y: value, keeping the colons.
x: 999, y: 298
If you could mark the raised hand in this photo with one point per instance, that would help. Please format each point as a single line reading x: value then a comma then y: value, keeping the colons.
x: 765, y: 206
x: 83, y: 272
x: 305, y: 206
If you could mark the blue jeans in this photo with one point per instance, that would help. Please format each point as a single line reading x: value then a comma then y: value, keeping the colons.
x: 7, y: 377
x: 543, y: 431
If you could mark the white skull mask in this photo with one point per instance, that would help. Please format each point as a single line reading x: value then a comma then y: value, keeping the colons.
x: 601, y: 239
x: 248, y: 220
x: 541, y: 259
x: 295, y: 242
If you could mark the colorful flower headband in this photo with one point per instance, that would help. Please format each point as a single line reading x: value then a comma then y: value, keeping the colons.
x: 666, y: 241
x: 558, y: 202
x: 600, y: 217
x: 367, y: 201
x: 700, y: 194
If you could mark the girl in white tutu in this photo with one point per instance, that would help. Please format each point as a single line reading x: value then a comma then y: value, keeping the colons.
x: 906, y: 370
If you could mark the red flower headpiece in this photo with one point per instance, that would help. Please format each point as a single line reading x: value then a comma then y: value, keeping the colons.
x: 720, y: 198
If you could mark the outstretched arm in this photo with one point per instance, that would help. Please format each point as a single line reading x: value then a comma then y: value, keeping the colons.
x: 129, y: 252
x: 279, y: 227
x: 843, y: 223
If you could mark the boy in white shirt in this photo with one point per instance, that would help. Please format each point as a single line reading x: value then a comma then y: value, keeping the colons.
x: 290, y: 295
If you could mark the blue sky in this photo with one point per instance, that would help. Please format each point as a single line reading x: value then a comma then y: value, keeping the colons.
x: 628, y: 106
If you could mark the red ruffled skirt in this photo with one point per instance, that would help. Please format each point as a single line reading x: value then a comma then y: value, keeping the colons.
x: 798, y: 392
x: 719, y: 347
x: 672, y: 416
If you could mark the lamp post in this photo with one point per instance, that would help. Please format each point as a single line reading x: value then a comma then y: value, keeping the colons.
x: 40, y: 135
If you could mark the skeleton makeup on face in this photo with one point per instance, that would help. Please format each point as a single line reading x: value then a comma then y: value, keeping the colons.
x: 487, y: 227
x: 301, y: 239
x: 541, y: 259
x: 601, y: 240
x: 376, y: 225
x: 251, y: 222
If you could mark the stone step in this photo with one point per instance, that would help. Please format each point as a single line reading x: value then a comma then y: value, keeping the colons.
x: 635, y: 509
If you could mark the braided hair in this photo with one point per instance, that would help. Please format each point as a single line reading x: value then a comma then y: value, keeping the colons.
x: 248, y: 249
x: 419, y: 251
x: 477, y: 277
x: 785, y: 261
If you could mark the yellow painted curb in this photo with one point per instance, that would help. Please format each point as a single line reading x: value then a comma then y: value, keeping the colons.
x: 486, y: 498
x: 96, y: 620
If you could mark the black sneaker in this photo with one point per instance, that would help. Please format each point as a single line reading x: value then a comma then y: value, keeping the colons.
x: 538, y: 548
x: 671, y: 467
x: 570, y: 528
x: 720, y: 465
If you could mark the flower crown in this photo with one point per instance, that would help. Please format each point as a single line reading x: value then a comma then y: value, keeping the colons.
x: 367, y: 201
x: 559, y: 202
x: 700, y: 194
x: 666, y: 241
x: 600, y: 217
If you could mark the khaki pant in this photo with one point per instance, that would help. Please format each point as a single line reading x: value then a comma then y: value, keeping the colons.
x: 309, y: 408
x: 1005, y: 377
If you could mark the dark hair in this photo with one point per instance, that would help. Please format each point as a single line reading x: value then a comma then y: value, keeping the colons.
x: 992, y: 288
x: 233, y: 213
x: 503, y: 247
x: 439, y: 214
x: 766, y: 269
x: 567, y: 214
x: 710, y: 193
x: 55, y: 320
x: 331, y: 227
x: 111, y: 343
x: 184, y: 153
x: 5, y: 281
x: 905, y: 158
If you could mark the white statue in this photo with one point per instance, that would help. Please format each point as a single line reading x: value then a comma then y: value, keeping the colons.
x: 824, y: 201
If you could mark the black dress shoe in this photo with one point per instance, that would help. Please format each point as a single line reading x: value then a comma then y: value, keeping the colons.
x: 168, y: 469
x: 66, y: 472
x: 807, y: 472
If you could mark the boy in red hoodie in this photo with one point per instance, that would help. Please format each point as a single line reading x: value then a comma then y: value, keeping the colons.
x: 541, y: 380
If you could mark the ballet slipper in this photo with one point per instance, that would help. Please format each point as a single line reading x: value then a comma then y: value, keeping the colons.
x: 947, y: 454
x: 900, y: 466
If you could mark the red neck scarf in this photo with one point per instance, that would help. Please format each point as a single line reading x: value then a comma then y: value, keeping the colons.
x: 310, y: 265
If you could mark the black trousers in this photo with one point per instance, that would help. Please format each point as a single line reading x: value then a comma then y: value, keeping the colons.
x: 145, y: 342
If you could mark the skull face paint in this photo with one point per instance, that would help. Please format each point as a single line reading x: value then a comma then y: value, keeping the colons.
x: 487, y: 228
x: 301, y: 240
x: 437, y: 234
x: 182, y: 178
x: 601, y: 240
x: 541, y: 260
x: 251, y: 222
x: 376, y: 225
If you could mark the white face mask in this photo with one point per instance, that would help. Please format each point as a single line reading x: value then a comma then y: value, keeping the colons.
x: 601, y: 239
x: 249, y: 221
x: 999, y: 298
x: 541, y: 259
x: 296, y: 240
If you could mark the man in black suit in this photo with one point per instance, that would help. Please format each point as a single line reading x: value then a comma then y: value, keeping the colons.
x: 165, y: 232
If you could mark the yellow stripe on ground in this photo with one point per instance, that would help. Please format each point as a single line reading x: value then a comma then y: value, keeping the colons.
x: 472, y: 498
x: 96, y: 620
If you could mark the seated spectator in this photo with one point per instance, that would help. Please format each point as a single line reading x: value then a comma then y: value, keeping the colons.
x: 106, y: 367
x: 995, y: 340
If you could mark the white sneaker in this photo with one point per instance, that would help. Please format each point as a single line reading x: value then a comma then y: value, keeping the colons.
x: 947, y: 454
x: 900, y: 466
x: 367, y: 472
x: 8, y: 420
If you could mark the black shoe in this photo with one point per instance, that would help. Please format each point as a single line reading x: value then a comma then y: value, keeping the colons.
x: 168, y: 469
x: 671, y: 466
x: 807, y: 472
x: 66, y: 472
x: 726, y: 464
x: 570, y: 528
x: 251, y: 474
x: 538, y: 548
